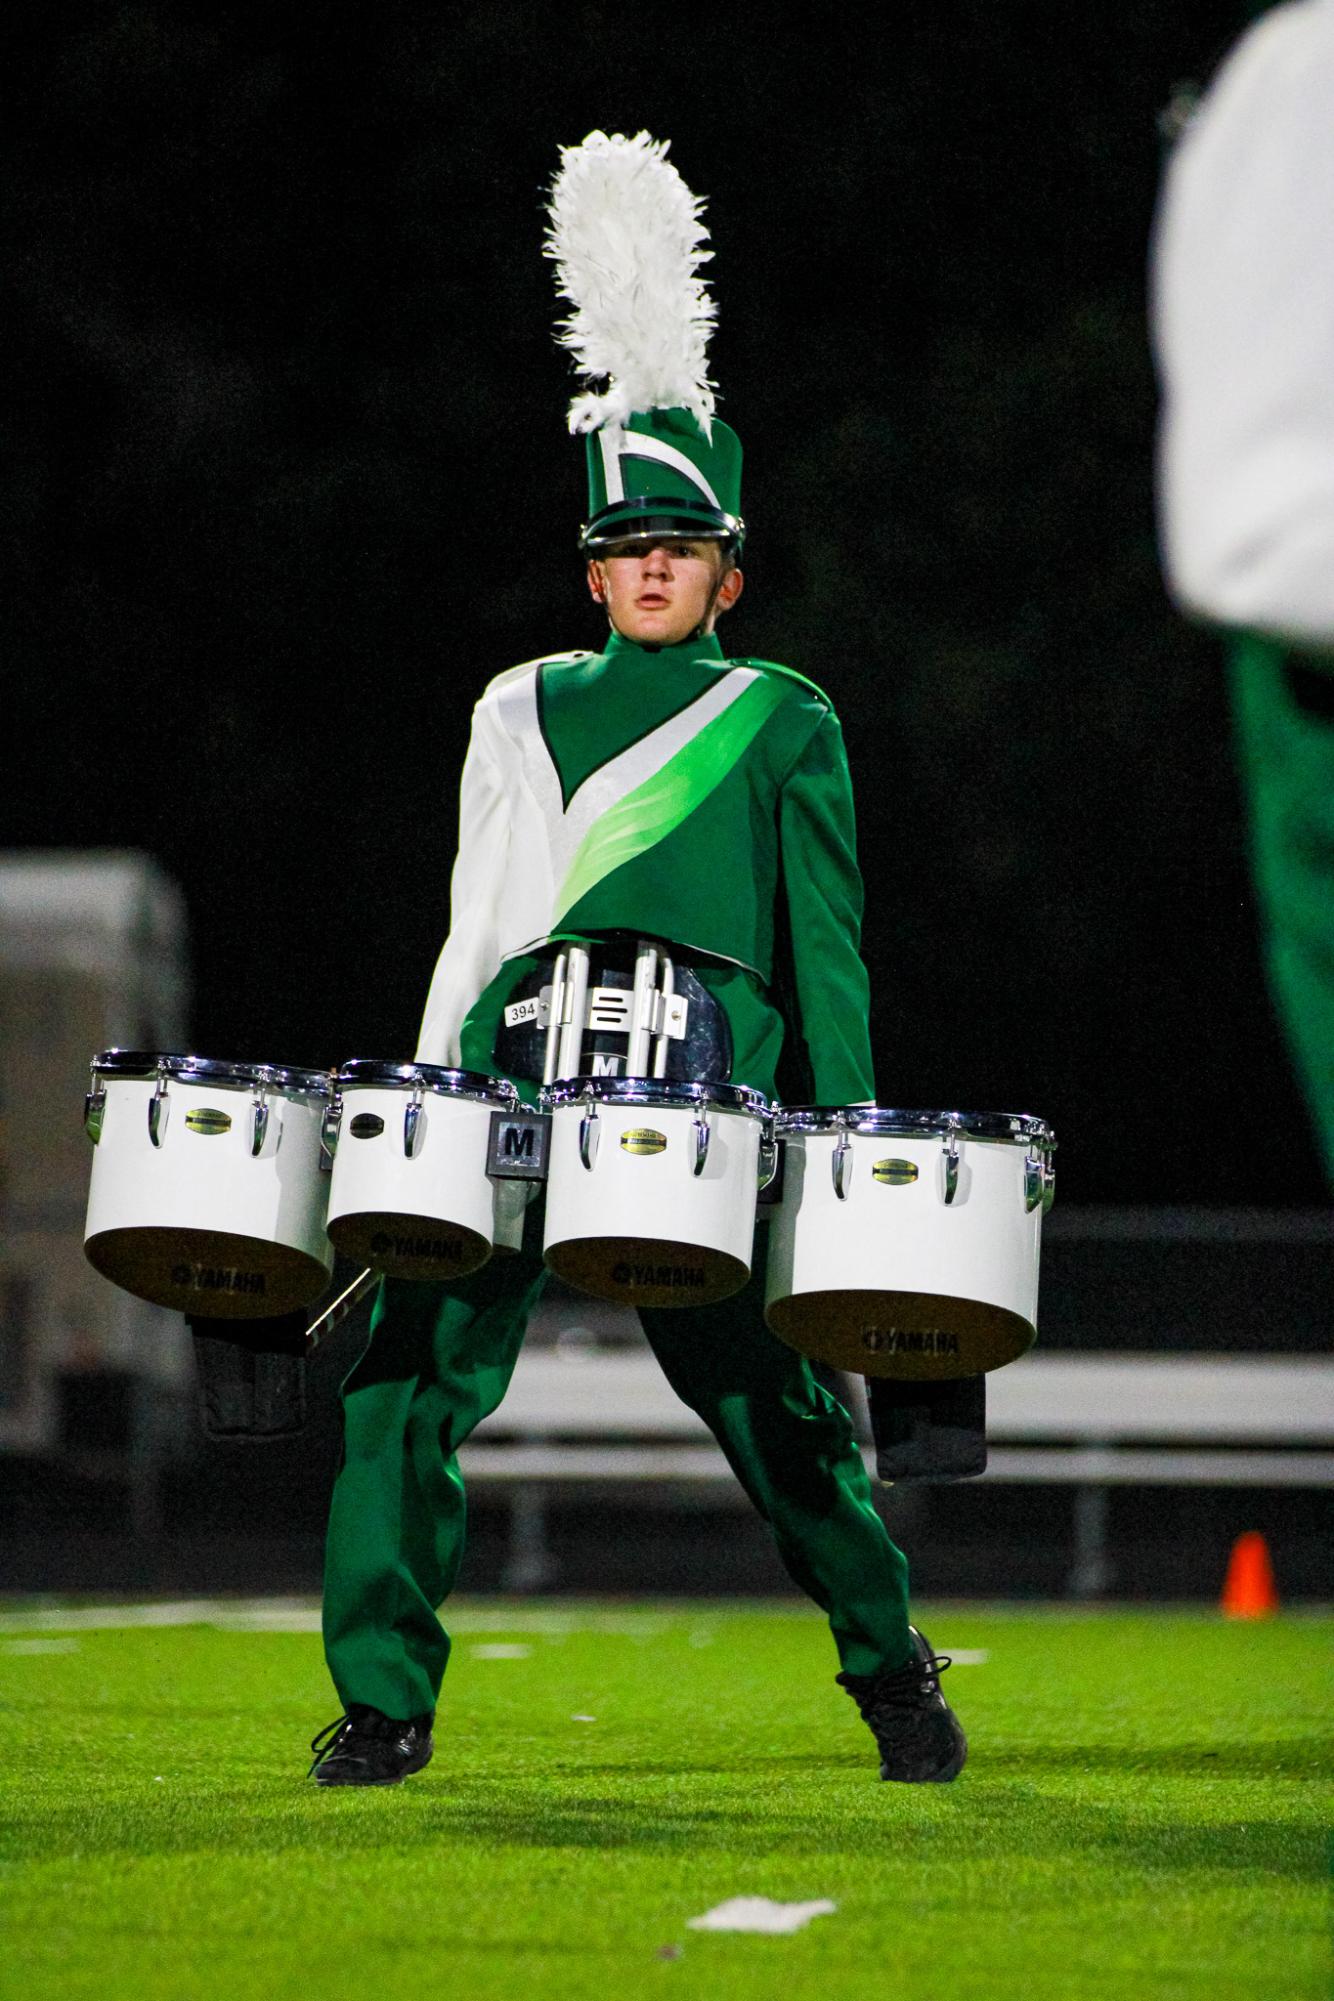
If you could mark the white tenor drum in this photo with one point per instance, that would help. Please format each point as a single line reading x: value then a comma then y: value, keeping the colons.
x: 652, y: 1188
x: 207, y: 1190
x: 410, y: 1194
x: 906, y: 1243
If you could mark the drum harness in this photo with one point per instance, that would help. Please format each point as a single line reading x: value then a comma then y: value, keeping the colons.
x: 651, y: 1014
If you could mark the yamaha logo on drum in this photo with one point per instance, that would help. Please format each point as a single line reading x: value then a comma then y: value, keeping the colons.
x: 678, y: 1277
x: 216, y: 1278
x: 642, y: 1139
x: 910, y: 1341
x: 444, y: 1250
x: 894, y: 1173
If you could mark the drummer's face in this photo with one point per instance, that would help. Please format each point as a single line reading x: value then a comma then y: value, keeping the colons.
x: 657, y: 593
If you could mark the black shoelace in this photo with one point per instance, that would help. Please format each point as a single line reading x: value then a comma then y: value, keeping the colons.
x: 365, y: 1721
x: 324, y: 1741
x: 897, y: 1688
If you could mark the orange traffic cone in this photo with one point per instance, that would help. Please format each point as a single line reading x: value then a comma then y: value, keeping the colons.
x: 1249, y: 1591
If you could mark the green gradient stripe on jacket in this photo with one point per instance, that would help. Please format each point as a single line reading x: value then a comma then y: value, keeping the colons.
x: 658, y: 806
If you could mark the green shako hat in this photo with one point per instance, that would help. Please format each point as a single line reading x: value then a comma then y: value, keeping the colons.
x: 627, y: 238
x: 658, y: 474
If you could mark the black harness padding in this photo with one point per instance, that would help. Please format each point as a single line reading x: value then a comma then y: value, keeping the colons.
x: 702, y: 1056
x: 928, y: 1433
x: 252, y: 1377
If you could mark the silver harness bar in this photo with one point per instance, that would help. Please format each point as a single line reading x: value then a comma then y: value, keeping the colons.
x: 650, y: 1014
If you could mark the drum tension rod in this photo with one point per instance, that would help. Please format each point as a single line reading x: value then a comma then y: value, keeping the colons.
x: 590, y: 1132
x: 159, y: 1105
x: 839, y: 1163
x: 330, y: 1126
x: 768, y: 1161
x: 259, y: 1117
x: 703, y: 1135
x: 412, y: 1117
x: 949, y: 1161
x: 1039, y: 1177
x: 94, y: 1105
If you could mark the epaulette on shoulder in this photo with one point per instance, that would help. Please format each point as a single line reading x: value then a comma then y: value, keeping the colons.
x: 503, y: 680
x: 788, y: 673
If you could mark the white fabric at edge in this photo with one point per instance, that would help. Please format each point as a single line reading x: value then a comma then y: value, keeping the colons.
x: 1243, y: 295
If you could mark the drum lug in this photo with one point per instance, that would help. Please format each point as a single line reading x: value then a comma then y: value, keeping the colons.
x: 412, y: 1119
x: 158, y: 1107
x: 94, y: 1110
x: 329, y: 1129
x: 589, y: 1133
x: 703, y: 1134
x: 839, y: 1163
x: 768, y: 1155
x: 1039, y: 1174
x: 1039, y: 1181
x: 949, y: 1165
x: 259, y: 1121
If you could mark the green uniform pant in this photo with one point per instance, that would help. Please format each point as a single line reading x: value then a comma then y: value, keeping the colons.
x: 1287, y: 761
x: 439, y: 1361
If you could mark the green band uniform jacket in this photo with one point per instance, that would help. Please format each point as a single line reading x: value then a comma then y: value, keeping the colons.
x: 674, y: 794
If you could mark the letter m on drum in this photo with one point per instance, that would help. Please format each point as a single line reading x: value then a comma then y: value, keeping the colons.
x: 519, y: 1146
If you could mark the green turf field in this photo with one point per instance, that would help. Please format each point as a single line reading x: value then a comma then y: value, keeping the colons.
x: 1141, y: 1813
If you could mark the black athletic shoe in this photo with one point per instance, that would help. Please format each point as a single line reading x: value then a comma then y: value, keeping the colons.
x: 920, y: 1738
x: 368, y: 1748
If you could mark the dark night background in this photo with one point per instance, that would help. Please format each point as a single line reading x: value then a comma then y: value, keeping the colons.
x: 286, y: 481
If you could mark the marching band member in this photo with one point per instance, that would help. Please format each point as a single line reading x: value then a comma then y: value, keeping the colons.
x: 654, y: 789
x: 1243, y: 297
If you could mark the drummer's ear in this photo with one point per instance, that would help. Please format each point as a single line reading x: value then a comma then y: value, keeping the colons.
x: 729, y: 590
x: 597, y: 582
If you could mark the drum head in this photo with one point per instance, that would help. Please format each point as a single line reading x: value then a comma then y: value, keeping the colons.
x: 141, y: 1065
x: 646, y: 1271
x: 653, y: 1091
x: 209, y: 1274
x: 921, y: 1337
x: 404, y: 1246
x: 369, y: 1074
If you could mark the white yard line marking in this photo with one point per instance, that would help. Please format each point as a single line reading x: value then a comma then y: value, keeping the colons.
x: 302, y: 1615
x: 268, y: 1619
x: 500, y: 1650
x: 87, y: 1618
x: 761, y: 1914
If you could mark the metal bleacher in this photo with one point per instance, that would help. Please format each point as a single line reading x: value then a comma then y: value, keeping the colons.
x: 1211, y: 1366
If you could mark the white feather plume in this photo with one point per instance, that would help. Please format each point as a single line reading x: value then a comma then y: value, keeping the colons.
x: 627, y: 238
